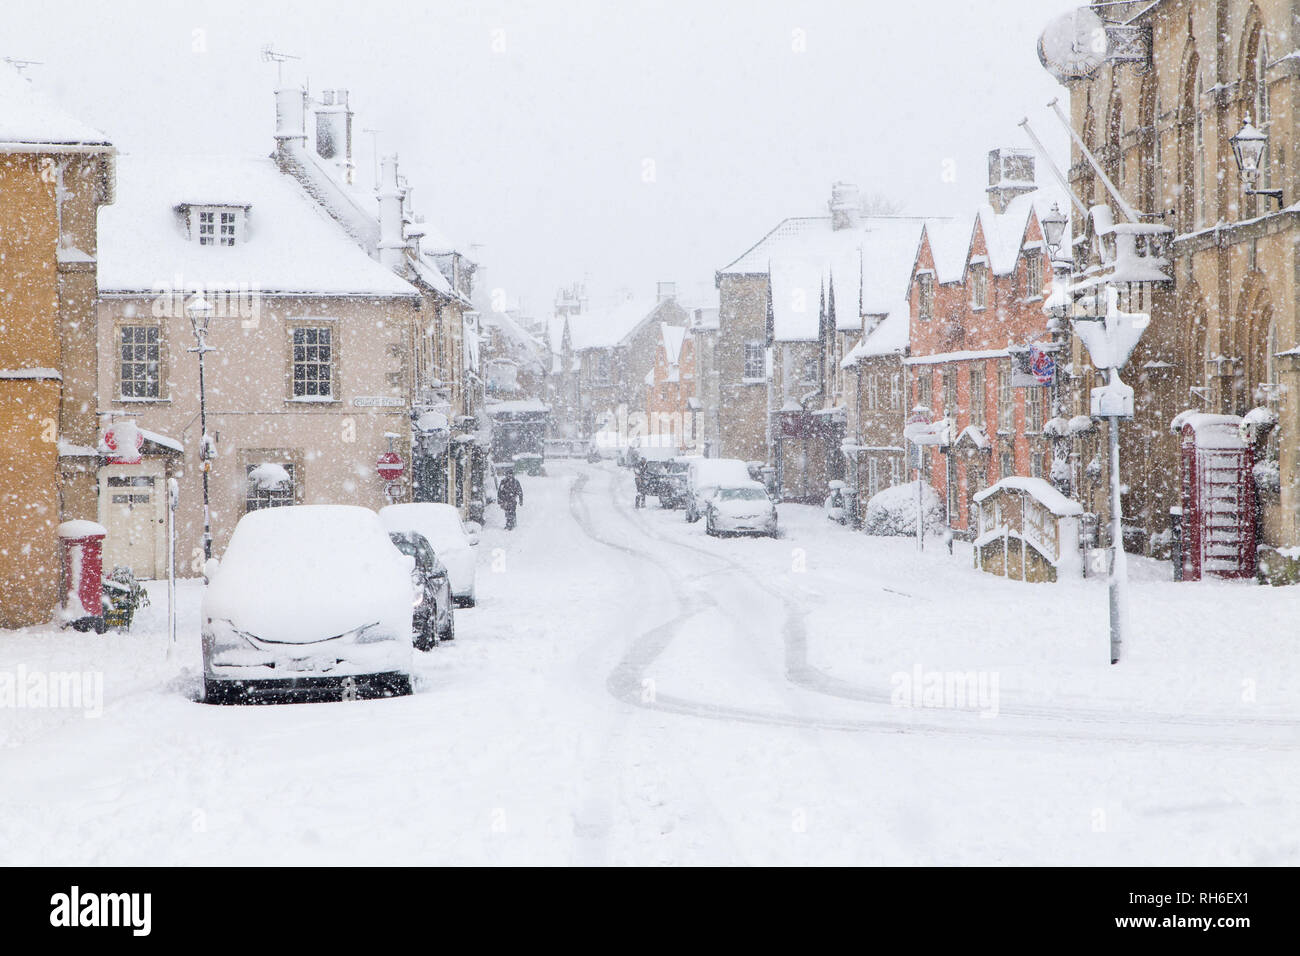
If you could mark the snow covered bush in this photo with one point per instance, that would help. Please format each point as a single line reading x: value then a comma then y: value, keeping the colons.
x: 893, y: 511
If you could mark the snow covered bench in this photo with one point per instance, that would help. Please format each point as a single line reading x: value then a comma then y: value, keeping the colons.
x: 1028, y: 530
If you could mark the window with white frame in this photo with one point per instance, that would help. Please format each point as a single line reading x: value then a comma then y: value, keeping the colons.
x: 873, y: 476
x: 979, y: 283
x: 217, y: 225
x: 925, y: 295
x: 755, y: 361
x: 873, y: 392
x: 1006, y: 402
x: 895, y: 470
x: 1035, y: 409
x: 140, y: 363
x: 896, y: 391
x: 263, y: 491
x: 977, y: 396
x: 313, y: 362
x: 1034, y: 274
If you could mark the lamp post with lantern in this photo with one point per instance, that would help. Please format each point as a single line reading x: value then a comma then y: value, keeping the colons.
x: 1249, y: 147
x: 199, y: 311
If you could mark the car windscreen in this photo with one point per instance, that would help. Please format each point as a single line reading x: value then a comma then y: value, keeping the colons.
x: 742, y: 494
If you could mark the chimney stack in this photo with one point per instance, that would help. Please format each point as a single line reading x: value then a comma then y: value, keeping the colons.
x: 1011, y: 174
x: 334, y: 130
x: 392, y: 244
x: 845, y: 206
x: 290, y: 120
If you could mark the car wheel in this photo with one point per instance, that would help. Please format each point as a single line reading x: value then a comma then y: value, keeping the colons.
x: 449, y: 633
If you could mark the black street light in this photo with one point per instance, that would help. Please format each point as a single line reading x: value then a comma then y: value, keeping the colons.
x: 200, y: 312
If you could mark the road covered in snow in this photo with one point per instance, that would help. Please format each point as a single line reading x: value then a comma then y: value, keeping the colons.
x: 631, y: 691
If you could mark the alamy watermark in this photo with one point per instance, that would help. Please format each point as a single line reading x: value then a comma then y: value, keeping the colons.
x: 949, y: 690
x: 54, y: 690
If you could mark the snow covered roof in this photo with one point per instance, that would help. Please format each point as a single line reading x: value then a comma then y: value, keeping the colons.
x: 1212, y: 431
x: 290, y: 244
x: 949, y: 244
x: 868, y: 265
x: 673, y: 337
x: 29, y: 118
x: 797, y: 285
x: 888, y: 337
x: 606, y: 328
x: 1040, y: 490
x: 813, y: 236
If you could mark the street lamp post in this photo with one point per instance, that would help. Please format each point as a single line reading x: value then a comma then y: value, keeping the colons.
x: 200, y: 312
x: 1110, y: 340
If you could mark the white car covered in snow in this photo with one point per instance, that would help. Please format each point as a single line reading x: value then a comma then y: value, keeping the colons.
x: 310, y: 601
x: 741, y: 508
x: 453, y: 543
x: 705, y: 476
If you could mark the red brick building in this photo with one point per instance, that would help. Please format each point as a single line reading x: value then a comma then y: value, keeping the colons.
x: 976, y: 302
x: 671, y: 405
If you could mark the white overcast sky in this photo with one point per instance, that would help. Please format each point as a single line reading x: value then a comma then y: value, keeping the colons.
x: 538, y: 151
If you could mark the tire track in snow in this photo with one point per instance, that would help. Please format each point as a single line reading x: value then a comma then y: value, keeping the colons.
x: 626, y: 681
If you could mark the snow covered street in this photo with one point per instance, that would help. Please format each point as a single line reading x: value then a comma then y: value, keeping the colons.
x: 631, y: 691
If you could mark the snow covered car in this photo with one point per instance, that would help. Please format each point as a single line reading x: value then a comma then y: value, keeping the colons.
x: 309, y: 601
x: 452, y: 542
x: 703, y: 478
x: 741, y: 508
x: 434, y: 617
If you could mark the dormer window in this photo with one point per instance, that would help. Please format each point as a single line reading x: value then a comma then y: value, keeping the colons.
x: 217, y: 225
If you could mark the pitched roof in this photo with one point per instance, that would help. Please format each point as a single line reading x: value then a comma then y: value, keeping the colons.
x: 673, y: 337
x: 606, y: 328
x: 290, y: 244
x: 30, y: 118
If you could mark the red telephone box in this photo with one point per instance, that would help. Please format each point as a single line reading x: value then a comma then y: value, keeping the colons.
x: 1218, y: 498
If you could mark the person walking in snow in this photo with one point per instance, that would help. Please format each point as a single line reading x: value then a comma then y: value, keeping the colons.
x: 641, y: 482
x: 510, y: 495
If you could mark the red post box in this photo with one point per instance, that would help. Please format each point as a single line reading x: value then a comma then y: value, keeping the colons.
x: 83, y: 569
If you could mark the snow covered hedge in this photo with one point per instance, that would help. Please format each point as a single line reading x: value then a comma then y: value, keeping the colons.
x: 893, y: 511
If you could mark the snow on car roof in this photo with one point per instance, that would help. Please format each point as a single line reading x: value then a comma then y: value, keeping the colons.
x: 290, y: 244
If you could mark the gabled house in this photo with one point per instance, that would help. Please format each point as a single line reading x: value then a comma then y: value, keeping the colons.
x: 790, y: 309
x: 311, y: 372
x: 671, y: 408
x: 976, y: 315
x: 615, y: 349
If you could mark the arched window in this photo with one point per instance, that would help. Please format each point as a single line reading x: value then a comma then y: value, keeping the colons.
x: 1190, y: 131
x: 1148, y: 161
x: 1199, y: 158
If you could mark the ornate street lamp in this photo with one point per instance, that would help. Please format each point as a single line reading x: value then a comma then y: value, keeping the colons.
x: 1249, y: 147
x: 199, y: 311
x: 1054, y: 229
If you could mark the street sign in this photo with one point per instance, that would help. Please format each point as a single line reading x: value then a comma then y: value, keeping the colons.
x: 390, y: 466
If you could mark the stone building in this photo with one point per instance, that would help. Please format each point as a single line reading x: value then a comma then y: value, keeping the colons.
x: 315, y: 361
x: 1159, y: 111
x: 55, y: 173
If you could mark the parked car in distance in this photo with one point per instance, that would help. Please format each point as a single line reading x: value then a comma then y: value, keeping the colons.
x: 451, y: 540
x: 310, y: 602
x: 434, y: 616
x: 666, y: 480
x: 705, y: 475
x: 741, y: 508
